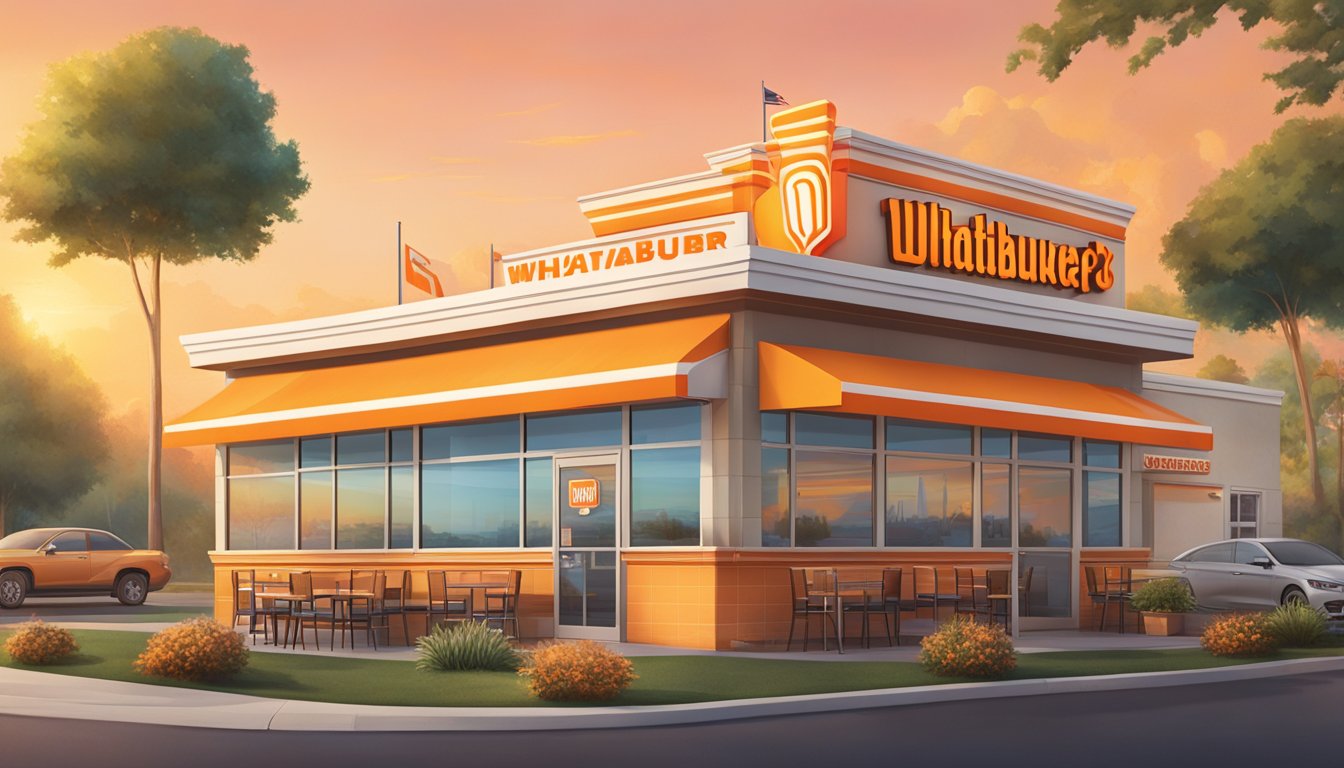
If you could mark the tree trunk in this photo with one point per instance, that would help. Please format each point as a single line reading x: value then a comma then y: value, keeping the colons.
x: 150, y: 304
x: 1288, y: 322
x: 3, y: 504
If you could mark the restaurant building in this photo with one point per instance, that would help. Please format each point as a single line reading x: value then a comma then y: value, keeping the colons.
x: 825, y: 349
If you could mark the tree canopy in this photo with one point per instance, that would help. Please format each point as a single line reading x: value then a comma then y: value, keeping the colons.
x: 1313, y: 30
x: 51, y: 433
x: 1224, y: 368
x: 161, y: 146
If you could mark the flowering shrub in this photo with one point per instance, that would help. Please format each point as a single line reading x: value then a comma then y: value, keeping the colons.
x: 1163, y: 596
x: 965, y: 648
x: 196, y: 649
x: 1241, y: 634
x: 36, y: 642
x: 582, y: 671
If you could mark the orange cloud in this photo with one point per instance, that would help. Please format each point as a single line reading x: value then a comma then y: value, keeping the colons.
x: 575, y: 139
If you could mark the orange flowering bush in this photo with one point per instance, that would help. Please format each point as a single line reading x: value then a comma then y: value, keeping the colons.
x: 965, y: 648
x: 36, y: 642
x: 196, y: 649
x: 1240, y: 634
x: 582, y: 671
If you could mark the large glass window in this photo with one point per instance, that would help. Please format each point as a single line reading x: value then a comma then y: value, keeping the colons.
x: 774, y: 427
x: 1044, y: 508
x: 834, y: 499
x: 840, y: 431
x: 1044, y: 448
x: 402, y: 503
x: 315, y: 510
x: 928, y: 437
x: 996, y: 506
x: 360, y: 508
x: 361, y: 448
x: 665, y: 497
x: 1245, y: 512
x: 775, y: 497
x: 581, y: 429
x: 1101, y: 509
x: 478, y: 438
x: 540, y: 495
x: 470, y: 504
x: 261, y: 458
x: 261, y: 511
x: 665, y: 424
x: 315, y: 452
x: 929, y: 502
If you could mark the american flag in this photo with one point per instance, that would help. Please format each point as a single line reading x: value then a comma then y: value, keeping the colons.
x: 772, y: 98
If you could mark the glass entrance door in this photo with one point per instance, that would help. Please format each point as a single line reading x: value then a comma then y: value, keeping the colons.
x: 587, y: 561
x: 1046, y: 555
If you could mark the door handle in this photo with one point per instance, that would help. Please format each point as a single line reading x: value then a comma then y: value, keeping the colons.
x: 1238, y: 573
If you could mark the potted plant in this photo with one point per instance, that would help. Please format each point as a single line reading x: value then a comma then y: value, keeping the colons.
x: 1163, y: 603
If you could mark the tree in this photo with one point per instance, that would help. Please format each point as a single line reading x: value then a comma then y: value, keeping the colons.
x: 51, y: 432
x: 1223, y: 368
x: 1263, y: 246
x: 1311, y: 29
x: 159, y: 150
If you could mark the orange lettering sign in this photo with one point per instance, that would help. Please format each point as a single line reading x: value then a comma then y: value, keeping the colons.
x: 1180, y: 464
x: 584, y: 493
x: 923, y: 235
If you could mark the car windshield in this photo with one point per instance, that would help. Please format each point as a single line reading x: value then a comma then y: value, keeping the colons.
x: 1302, y: 553
x: 31, y: 539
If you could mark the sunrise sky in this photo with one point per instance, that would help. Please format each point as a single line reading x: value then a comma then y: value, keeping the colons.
x: 475, y: 123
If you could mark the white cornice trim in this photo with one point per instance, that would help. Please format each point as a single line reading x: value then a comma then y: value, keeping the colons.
x: 753, y: 269
x: 894, y: 154
x: 1225, y: 390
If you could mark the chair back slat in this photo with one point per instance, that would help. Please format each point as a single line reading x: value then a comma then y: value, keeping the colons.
x: 891, y: 583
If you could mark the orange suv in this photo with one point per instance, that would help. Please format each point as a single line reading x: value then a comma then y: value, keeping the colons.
x: 77, y: 562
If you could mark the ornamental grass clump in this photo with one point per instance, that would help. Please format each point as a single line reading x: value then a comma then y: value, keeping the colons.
x: 965, y: 648
x: 196, y: 649
x: 1296, y: 625
x: 38, y: 643
x: 467, y: 645
x: 582, y: 671
x: 1241, y: 634
x: 1169, y: 595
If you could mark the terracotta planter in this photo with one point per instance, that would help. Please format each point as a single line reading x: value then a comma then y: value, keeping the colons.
x: 1163, y: 624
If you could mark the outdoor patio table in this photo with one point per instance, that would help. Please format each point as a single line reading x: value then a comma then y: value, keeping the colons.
x: 342, y: 600
x: 283, y: 597
x: 476, y: 584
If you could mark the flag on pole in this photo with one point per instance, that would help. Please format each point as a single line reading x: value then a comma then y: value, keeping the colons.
x: 770, y: 97
x: 421, y: 272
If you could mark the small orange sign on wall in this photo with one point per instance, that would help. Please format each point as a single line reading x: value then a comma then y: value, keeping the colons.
x: 584, y: 493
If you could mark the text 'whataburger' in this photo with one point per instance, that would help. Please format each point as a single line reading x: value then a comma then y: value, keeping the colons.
x: 615, y: 256
x: 922, y: 234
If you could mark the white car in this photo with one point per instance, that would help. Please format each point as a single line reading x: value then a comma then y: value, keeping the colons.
x: 1259, y: 574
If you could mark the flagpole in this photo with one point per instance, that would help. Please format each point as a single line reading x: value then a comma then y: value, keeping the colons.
x: 400, y: 279
x: 491, y: 262
x: 763, y: 135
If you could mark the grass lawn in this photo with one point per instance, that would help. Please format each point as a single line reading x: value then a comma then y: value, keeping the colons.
x: 662, y: 679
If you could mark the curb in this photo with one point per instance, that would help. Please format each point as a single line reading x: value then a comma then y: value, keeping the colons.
x: 35, y: 694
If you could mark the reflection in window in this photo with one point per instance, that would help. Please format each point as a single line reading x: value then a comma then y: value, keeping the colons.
x: 1044, y: 448
x: 665, y: 424
x: 402, y: 441
x: 540, y: 490
x: 472, y: 504
x: 996, y: 443
x: 580, y: 429
x: 1045, y: 517
x: 834, y: 505
x: 403, y: 507
x: 360, y: 508
x: 315, y: 510
x: 261, y: 458
x: 840, y: 431
x: 361, y: 448
x: 774, y: 497
x: 774, y: 427
x: 665, y: 497
x: 477, y: 438
x: 928, y: 437
x: 1101, y: 509
x: 996, y: 523
x: 929, y: 502
x: 261, y: 512
x: 1100, y: 453
x: 315, y: 452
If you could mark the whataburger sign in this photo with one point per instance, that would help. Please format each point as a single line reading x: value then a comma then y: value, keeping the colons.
x: 922, y: 234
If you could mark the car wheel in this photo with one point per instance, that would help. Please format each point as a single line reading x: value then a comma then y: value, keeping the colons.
x: 1294, y: 596
x: 13, y: 589
x: 132, y: 589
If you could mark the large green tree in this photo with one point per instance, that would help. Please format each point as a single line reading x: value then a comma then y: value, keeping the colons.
x: 160, y: 150
x: 1312, y: 30
x: 1262, y: 246
x: 51, y: 430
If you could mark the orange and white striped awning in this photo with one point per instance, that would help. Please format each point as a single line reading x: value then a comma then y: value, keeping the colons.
x: 656, y: 361
x: 804, y: 378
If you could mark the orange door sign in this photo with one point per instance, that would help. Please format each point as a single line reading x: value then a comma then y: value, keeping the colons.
x: 584, y: 493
